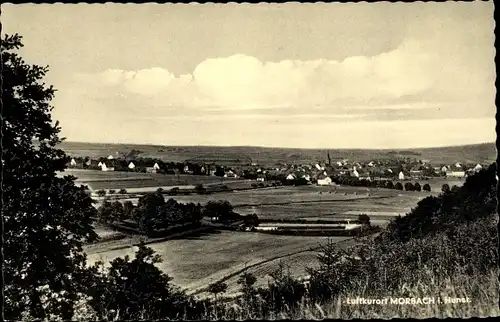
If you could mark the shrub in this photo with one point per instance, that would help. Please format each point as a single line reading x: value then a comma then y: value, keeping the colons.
x: 399, y: 186
x: 417, y: 187
x: 122, y: 191
x: 426, y: 187
x: 101, y: 193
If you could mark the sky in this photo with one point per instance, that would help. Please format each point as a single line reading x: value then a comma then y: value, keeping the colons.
x: 358, y: 75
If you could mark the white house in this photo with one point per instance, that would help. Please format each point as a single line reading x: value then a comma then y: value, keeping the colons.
x: 458, y: 165
x: 401, y: 175
x: 444, y: 168
x: 88, y: 163
x: 355, y: 173
x: 72, y: 162
x: 131, y: 165
x: 186, y: 169
x: 371, y: 164
x: 291, y: 176
x: 100, y: 164
x: 339, y: 163
x: 110, y: 157
x: 156, y: 166
x: 104, y: 167
x: 326, y: 181
x: 478, y: 167
x: 455, y: 173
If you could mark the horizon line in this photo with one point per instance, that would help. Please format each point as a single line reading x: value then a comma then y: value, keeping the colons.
x: 287, y: 148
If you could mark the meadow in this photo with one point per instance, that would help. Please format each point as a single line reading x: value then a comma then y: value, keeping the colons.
x: 482, y: 153
x: 139, y: 182
x: 194, y: 262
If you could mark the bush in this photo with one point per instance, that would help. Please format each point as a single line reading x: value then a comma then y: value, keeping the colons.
x: 398, y: 186
x: 417, y: 187
x: 122, y: 191
x: 409, y: 186
x: 131, y: 287
x: 445, y: 188
x: 426, y: 187
x: 101, y: 193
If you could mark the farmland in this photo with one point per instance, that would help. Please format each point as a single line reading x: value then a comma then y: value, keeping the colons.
x: 136, y: 182
x: 197, y: 261
x: 483, y: 153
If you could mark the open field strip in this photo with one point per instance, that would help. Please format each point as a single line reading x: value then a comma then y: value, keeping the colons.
x: 195, y: 261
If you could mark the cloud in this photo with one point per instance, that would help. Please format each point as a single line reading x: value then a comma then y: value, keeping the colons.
x: 432, y: 67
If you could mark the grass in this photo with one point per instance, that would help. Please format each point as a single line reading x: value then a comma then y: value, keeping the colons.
x: 484, y: 153
x: 195, y: 261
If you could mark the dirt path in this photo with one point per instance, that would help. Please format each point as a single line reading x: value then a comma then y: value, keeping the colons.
x: 250, y: 266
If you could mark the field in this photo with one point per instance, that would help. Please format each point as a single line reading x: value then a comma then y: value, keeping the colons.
x: 140, y: 182
x: 483, y: 153
x: 197, y: 261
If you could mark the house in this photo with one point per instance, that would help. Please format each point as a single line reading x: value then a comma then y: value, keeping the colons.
x: 157, y: 167
x: 319, y: 167
x: 186, y: 169
x: 371, y: 164
x: 324, y: 181
x: 88, y: 163
x: 354, y: 173
x: 151, y: 170
x: 212, y: 172
x: 291, y: 176
x: 105, y: 168
x: 110, y: 157
x: 100, y: 164
x: 365, y: 176
x: 444, y: 168
x: 401, y: 175
x: 230, y: 174
x: 72, y: 163
x: 131, y: 165
x: 478, y: 167
x: 261, y: 178
x: 340, y: 163
x: 458, y: 165
x: 455, y: 172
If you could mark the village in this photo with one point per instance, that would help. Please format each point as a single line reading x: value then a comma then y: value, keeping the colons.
x: 321, y: 173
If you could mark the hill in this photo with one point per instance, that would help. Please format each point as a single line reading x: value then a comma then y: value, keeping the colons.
x: 476, y: 153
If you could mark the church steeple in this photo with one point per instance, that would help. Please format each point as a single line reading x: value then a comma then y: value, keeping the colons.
x: 329, y: 159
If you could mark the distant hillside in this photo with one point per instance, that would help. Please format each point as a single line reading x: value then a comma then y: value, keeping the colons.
x: 482, y: 153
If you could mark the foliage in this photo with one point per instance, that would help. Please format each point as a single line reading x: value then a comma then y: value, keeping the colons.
x: 398, y: 186
x: 133, y: 286
x: 46, y: 218
x: 426, y: 187
x: 221, y: 209
x: 101, y: 193
x: 417, y: 187
x: 364, y: 219
x: 409, y: 186
x: 122, y: 191
x: 445, y: 188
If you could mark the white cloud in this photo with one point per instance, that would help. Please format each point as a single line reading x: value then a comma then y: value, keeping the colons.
x: 435, y: 68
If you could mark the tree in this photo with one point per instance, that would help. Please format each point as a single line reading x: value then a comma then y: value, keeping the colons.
x: 46, y: 218
x: 128, y: 208
x: 399, y: 186
x: 217, y: 288
x: 455, y: 189
x: 122, y: 191
x: 426, y: 187
x: 417, y: 187
x: 364, y: 219
x: 112, y: 191
x: 445, y: 188
x: 221, y: 209
x: 132, y: 287
x: 101, y: 193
